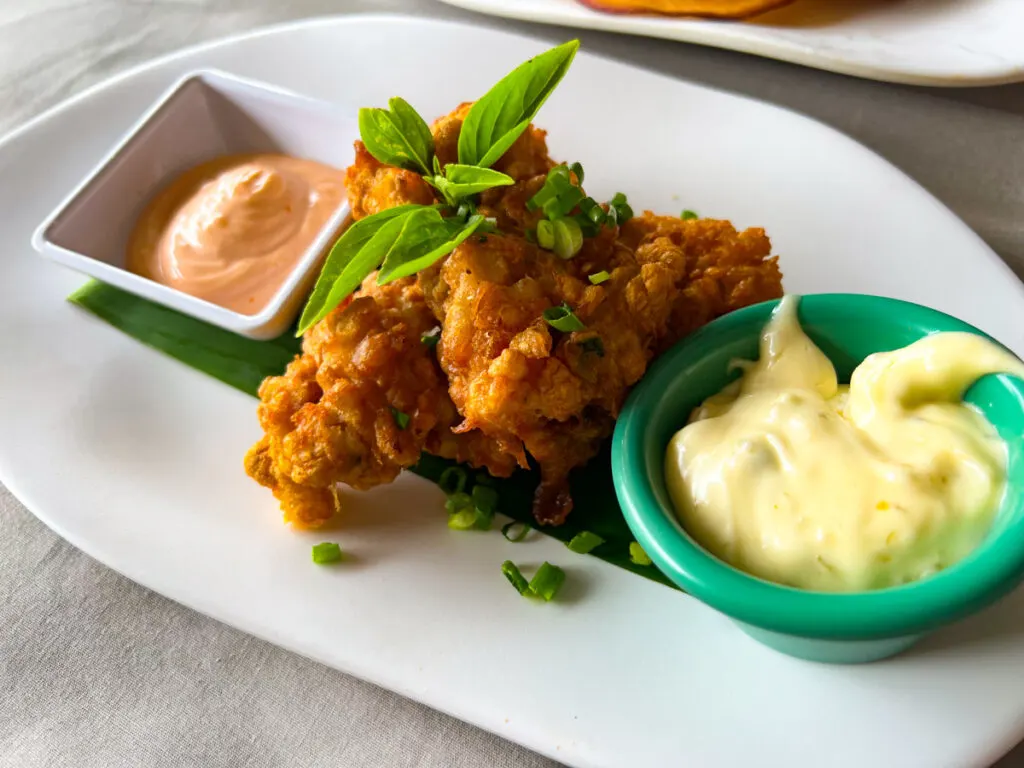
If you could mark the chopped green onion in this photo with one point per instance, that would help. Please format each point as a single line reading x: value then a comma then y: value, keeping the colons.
x: 599, y: 277
x: 549, y: 190
x: 462, y: 520
x: 485, y: 503
x: 465, y: 210
x: 587, y: 227
x: 401, y: 419
x: 547, y: 581
x: 593, y: 345
x: 327, y: 552
x: 577, y: 169
x: 485, y: 499
x: 568, y: 238
x: 531, y: 236
x: 620, y: 207
x: 458, y: 501
x: 453, y: 480
x: 558, y: 196
x: 637, y: 554
x: 515, y: 577
x: 482, y: 478
x: 506, y: 531
x: 461, y: 514
x: 688, y: 214
x: 559, y: 173
x: 569, y: 200
x: 591, y: 216
x: 584, y: 541
x: 544, y: 584
x: 561, y: 318
x: 592, y: 209
x: 431, y: 337
x: 545, y: 234
x: 467, y: 511
x: 544, y: 194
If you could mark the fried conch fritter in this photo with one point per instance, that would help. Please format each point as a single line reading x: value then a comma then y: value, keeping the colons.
x: 501, y: 385
x: 328, y: 419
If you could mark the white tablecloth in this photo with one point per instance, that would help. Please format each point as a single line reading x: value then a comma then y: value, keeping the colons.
x: 96, y: 671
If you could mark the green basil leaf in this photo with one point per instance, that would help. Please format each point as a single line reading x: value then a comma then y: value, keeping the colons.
x: 500, y: 116
x: 351, y: 259
x: 463, y: 181
x: 466, y: 180
x: 416, y: 128
x: 423, y: 232
x: 442, y: 185
x: 425, y: 239
x: 398, y: 136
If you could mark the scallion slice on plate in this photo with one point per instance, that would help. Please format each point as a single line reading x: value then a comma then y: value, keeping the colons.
x: 326, y: 552
x: 584, y: 541
x: 547, y: 581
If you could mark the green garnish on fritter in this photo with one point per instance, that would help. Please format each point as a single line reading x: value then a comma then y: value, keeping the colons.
x: 401, y: 419
x: 403, y: 240
x: 562, y: 318
x: 431, y: 337
x: 562, y: 231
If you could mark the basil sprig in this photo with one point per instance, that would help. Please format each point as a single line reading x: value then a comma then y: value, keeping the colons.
x: 462, y: 181
x: 424, y: 239
x: 403, y: 240
x: 500, y: 116
x: 352, y: 258
x: 398, y: 136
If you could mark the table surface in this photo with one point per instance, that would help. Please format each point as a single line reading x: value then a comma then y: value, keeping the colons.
x: 97, y: 671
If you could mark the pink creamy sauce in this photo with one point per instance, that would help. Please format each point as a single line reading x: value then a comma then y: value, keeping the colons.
x: 232, y: 230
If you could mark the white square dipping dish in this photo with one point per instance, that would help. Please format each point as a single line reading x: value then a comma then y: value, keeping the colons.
x: 205, y: 115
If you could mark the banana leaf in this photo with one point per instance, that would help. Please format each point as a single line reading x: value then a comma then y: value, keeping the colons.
x: 243, y: 363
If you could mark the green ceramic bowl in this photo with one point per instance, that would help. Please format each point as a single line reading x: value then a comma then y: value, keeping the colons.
x: 820, y: 626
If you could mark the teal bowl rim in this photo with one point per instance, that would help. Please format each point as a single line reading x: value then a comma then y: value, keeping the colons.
x: 980, y: 579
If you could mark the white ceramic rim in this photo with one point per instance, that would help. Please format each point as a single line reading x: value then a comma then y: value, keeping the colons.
x: 264, y: 324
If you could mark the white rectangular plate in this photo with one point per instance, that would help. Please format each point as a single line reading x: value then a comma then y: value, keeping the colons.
x: 923, y: 42
x: 137, y: 459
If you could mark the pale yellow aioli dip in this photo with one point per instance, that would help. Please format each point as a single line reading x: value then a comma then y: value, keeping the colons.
x: 791, y: 477
x: 231, y: 230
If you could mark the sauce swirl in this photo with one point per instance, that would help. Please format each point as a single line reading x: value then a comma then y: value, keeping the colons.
x: 232, y: 230
x: 790, y: 476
